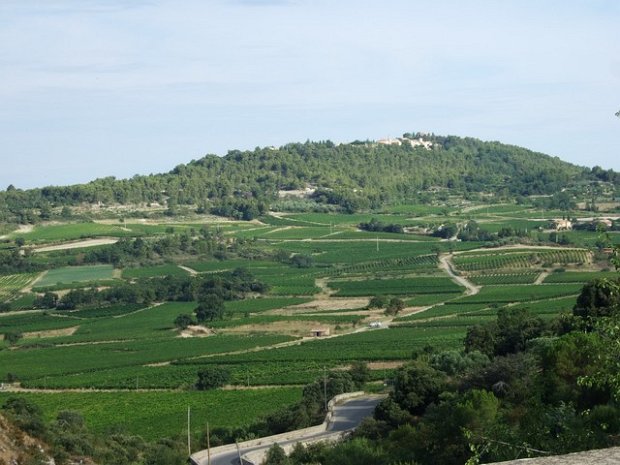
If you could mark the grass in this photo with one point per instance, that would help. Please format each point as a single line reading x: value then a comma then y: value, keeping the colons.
x: 521, y: 293
x: 155, y: 415
x: 380, y: 344
x: 154, y: 271
x: 74, y: 231
x: 129, y: 346
x: 408, y: 286
x: 40, y: 360
x: 34, y: 321
x: 71, y: 274
x: 423, y: 300
x: 262, y: 304
x: 578, y: 276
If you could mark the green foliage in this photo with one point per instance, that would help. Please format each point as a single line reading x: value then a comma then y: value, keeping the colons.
x: 212, y: 377
x: 276, y: 456
x: 72, y: 274
x: 12, y: 337
x: 416, y: 387
x: 600, y: 298
x: 509, y: 334
x: 405, y: 286
x: 183, y: 321
x: 210, y: 307
x: 156, y: 415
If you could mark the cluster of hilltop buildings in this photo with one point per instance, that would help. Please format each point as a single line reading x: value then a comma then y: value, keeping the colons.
x: 419, y: 142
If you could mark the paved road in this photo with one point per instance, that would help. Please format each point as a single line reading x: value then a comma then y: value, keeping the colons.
x: 347, y: 416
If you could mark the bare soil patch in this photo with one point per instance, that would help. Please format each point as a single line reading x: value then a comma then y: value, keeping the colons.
x: 331, y: 303
x: 196, y: 331
x: 77, y: 244
x: 51, y: 333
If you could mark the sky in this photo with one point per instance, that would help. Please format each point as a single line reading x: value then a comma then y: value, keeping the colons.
x: 95, y: 88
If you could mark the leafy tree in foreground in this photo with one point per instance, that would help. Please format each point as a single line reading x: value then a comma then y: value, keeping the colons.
x: 183, y: 321
x: 211, y: 378
x: 210, y: 308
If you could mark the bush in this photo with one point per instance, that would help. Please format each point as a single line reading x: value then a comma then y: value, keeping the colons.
x: 211, y: 378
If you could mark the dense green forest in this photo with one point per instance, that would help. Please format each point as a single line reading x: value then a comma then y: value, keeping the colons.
x: 351, y: 177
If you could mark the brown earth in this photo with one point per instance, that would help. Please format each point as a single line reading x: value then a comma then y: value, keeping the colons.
x: 16, y: 447
x: 51, y: 333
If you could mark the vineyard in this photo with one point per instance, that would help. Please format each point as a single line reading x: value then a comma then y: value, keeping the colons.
x: 264, y: 339
x: 71, y: 274
x: 495, y: 279
x: 514, y: 260
x: 134, y: 412
x: 408, y: 286
x: 12, y: 283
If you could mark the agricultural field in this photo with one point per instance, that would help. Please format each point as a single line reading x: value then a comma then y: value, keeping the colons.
x: 410, y: 286
x: 73, y: 274
x: 154, y: 271
x: 13, y: 283
x: 134, y: 412
x: 495, y: 279
x: 264, y: 339
x: 521, y: 259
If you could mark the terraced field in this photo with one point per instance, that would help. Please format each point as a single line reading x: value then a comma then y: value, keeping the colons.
x: 12, y: 283
x: 521, y: 259
x: 263, y: 340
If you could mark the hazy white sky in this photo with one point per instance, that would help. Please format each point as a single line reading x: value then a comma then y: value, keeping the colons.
x: 93, y: 88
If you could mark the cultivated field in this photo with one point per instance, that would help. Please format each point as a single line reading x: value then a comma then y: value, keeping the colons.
x: 95, y: 358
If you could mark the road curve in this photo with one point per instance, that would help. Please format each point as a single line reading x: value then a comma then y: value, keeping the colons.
x: 445, y: 263
x: 346, y: 417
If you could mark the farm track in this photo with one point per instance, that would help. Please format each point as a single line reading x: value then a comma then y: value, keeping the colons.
x: 77, y: 244
x: 445, y: 263
x: 139, y: 310
x: 30, y: 285
x: 541, y: 277
x: 191, y: 271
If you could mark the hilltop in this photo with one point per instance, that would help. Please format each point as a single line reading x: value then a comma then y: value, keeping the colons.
x: 348, y: 177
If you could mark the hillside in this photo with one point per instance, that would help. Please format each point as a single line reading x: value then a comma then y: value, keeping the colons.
x: 17, y: 447
x: 352, y: 177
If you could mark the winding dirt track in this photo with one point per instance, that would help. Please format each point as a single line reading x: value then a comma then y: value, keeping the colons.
x: 445, y: 263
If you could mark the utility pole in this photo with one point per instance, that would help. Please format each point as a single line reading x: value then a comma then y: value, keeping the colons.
x: 208, y: 446
x: 239, y: 452
x: 325, y: 387
x: 377, y: 243
x: 189, y: 444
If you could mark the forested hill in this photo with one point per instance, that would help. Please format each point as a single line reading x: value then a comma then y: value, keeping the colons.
x: 353, y: 176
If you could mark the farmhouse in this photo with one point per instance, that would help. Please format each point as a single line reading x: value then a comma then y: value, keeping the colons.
x: 562, y: 225
x: 322, y: 332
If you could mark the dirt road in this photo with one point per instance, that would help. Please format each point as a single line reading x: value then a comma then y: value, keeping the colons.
x: 445, y: 263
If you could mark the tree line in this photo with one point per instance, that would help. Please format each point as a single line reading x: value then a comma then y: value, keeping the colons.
x: 352, y: 177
